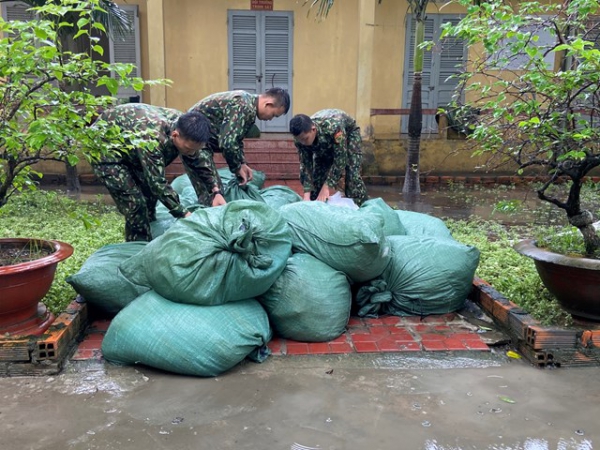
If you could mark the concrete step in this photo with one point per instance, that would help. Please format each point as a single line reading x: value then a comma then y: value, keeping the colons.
x: 277, y: 158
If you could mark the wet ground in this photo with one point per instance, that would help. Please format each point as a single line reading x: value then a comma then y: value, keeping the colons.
x: 375, y: 402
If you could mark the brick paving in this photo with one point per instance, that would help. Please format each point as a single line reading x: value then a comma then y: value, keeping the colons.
x: 447, y: 332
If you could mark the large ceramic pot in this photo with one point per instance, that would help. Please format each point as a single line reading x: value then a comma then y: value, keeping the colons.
x: 24, y: 285
x: 575, y: 282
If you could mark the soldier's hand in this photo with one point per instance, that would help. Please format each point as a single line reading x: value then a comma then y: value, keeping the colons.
x: 306, y: 197
x: 218, y: 200
x: 323, y: 194
x: 244, y: 174
x: 187, y: 214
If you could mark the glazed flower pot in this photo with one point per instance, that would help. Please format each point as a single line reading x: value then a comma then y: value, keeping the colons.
x: 575, y: 282
x: 23, y: 285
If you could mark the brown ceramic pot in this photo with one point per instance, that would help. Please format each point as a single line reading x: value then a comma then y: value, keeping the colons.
x: 575, y: 282
x: 24, y: 285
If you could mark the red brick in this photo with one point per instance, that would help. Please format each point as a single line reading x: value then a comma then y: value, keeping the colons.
x: 433, y: 345
x: 366, y: 347
x: 365, y: 337
x: 432, y: 337
x: 454, y: 344
x: 89, y: 345
x: 341, y: 347
x: 318, y: 348
x: 296, y: 348
x: 477, y: 345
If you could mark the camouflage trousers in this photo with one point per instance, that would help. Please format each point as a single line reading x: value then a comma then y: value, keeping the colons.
x: 353, y: 184
x: 132, y: 197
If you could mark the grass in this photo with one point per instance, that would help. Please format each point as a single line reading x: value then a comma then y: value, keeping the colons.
x: 87, y: 226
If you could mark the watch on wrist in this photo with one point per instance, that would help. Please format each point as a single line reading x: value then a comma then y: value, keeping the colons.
x: 215, y: 193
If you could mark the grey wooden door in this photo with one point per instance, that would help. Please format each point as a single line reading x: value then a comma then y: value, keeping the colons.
x: 447, y: 58
x: 260, y: 56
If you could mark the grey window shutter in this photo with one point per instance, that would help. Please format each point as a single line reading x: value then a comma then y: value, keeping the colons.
x: 16, y: 11
x: 126, y: 49
x: 452, y: 59
x: 277, y: 51
x: 243, y: 50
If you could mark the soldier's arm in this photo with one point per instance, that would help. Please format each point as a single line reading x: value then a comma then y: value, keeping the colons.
x: 155, y: 177
x: 340, y: 158
x: 231, y: 136
x: 203, y: 174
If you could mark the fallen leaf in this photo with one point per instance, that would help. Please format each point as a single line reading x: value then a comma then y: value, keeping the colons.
x: 512, y: 354
x: 506, y: 399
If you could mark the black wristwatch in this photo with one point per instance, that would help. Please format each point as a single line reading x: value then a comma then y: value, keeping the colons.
x: 214, y: 193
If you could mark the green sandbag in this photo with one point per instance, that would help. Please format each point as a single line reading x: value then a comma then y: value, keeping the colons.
x: 233, y: 191
x: 187, y: 339
x: 100, y: 282
x: 427, y: 275
x: 164, y: 219
x: 277, y: 196
x: 351, y: 241
x: 419, y: 224
x: 392, y: 225
x: 258, y: 177
x: 216, y: 255
x: 309, y: 302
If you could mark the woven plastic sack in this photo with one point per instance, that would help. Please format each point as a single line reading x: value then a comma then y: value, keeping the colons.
x: 258, y: 177
x: 427, y: 275
x: 392, y: 225
x: 216, y: 255
x: 100, y: 282
x: 187, y: 339
x: 233, y: 191
x: 309, y: 302
x: 349, y: 241
x: 277, y: 196
x: 164, y: 219
x: 419, y: 224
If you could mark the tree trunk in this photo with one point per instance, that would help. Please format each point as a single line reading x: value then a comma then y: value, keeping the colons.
x: 73, y: 184
x: 412, y: 186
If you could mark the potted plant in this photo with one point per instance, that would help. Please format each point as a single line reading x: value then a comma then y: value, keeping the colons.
x: 49, y: 95
x: 533, y: 74
x: 27, y: 268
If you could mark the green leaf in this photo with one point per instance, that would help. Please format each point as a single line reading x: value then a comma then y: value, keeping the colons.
x: 506, y: 399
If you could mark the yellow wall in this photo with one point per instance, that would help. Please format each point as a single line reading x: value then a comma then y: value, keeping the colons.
x: 324, y: 53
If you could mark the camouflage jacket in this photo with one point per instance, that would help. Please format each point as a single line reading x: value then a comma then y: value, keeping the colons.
x: 231, y: 115
x: 329, y: 149
x: 154, y: 125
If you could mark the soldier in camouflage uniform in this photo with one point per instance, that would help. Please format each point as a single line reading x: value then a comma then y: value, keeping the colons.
x: 136, y: 176
x: 231, y: 115
x: 329, y: 148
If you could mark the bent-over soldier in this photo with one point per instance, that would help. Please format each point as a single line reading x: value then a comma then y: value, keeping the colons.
x: 231, y: 115
x: 136, y: 178
x: 329, y: 148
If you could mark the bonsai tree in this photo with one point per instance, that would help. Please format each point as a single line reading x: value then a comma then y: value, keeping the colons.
x: 41, y: 118
x: 534, y: 77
